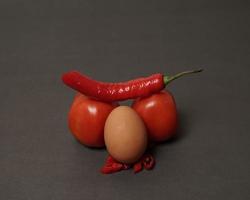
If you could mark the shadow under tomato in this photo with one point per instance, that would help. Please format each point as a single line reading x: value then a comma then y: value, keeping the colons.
x: 182, y: 132
x: 183, y: 127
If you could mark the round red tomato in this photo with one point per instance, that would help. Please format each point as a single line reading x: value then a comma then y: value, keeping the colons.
x: 86, y: 120
x: 159, y: 114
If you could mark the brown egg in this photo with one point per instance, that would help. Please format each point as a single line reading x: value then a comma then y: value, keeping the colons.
x: 125, y: 135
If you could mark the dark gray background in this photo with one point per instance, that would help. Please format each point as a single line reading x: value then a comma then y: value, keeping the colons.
x: 116, y: 41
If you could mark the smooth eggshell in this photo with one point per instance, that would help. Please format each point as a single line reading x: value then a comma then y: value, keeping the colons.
x: 125, y: 135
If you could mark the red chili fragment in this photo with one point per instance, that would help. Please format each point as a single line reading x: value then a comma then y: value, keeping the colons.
x: 110, y: 160
x: 148, y: 162
x: 112, y: 166
x: 110, y: 92
x: 137, y: 167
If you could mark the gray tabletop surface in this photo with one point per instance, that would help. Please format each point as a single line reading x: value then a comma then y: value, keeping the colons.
x: 117, y: 41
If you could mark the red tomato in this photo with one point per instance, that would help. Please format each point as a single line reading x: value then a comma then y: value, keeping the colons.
x: 159, y: 114
x: 87, y: 118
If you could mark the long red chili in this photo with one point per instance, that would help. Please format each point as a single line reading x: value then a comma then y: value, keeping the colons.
x: 109, y: 92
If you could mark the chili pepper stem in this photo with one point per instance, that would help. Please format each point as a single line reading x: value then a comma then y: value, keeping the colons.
x: 168, y: 79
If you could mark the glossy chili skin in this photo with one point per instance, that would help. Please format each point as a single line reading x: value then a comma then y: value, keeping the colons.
x: 109, y: 92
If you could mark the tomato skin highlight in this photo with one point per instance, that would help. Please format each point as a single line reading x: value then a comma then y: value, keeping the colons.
x: 159, y: 114
x: 86, y: 120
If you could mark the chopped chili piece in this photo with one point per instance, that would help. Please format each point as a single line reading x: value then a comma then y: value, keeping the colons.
x: 148, y: 162
x: 137, y: 167
x: 111, y: 165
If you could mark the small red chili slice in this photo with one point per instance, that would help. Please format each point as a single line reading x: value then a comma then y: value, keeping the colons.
x: 115, y: 167
x: 148, y: 162
x: 112, y: 166
x: 110, y: 160
x: 137, y: 167
x: 111, y: 169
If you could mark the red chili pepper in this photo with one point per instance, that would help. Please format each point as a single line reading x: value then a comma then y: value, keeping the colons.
x: 137, y: 167
x: 112, y: 166
x: 110, y: 160
x: 148, y: 162
x: 132, y: 89
x: 111, y: 169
